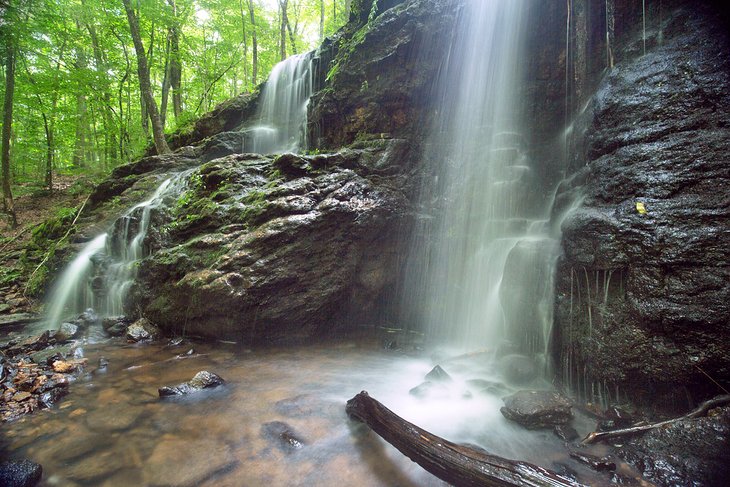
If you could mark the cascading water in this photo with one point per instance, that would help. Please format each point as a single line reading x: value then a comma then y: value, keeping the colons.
x: 480, y: 271
x: 282, y: 115
x: 101, y: 275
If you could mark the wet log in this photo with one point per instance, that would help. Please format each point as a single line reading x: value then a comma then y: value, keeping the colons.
x: 456, y: 464
x: 699, y: 411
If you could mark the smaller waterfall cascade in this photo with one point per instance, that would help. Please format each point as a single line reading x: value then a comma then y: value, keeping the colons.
x: 282, y: 114
x: 103, y: 272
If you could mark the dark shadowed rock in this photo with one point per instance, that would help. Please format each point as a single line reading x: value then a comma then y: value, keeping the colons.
x: 438, y: 374
x: 20, y: 473
x: 654, y: 297
x: 202, y: 380
x: 565, y: 432
x: 596, y: 463
x: 537, y: 409
x: 115, y: 325
x: 284, y: 437
x: 688, y: 452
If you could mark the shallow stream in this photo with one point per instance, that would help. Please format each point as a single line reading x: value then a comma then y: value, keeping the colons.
x: 113, y: 429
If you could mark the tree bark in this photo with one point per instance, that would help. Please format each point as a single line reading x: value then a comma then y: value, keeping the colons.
x: 321, y: 20
x: 254, y: 46
x: 144, y: 82
x: 8, y: 204
x: 175, y: 74
x: 282, y: 28
x: 455, y: 464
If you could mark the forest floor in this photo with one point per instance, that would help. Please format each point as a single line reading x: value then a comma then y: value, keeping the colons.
x: 33, y: 206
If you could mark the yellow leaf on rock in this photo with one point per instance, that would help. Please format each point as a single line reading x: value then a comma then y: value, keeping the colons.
x: 640, y: 208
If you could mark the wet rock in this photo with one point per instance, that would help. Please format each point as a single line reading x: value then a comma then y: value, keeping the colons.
x: 518, y: 369
x: 20, y: 473
x: 103, y: 363
x: 186, y: 463
x: 615, y: 418
x: 688, y: 452
x: 487, y: 387
x: 537, y: 409
x: 142, y: 330
x: 284, y: 436
x: 659, y: 278
x: 565, y: 432
x: 87, y: 318
x: 18, y: 319
x: 596, y: 463
x: 115, y: 326
x: 30, y: 344
x: 438, y: 374
x: 66, y: 332
x: 68, y: 366
x: 202, y: 380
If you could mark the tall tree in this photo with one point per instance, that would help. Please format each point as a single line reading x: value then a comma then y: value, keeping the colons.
x: 145, y: 86
x: 254, y: 45
x: 283, y: 4
x: 8, y: 204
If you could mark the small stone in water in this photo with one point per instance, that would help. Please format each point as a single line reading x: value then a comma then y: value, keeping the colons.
x: 287, y: 440
x: 438, y: 374
x: 565, y: 432
x: 20, y: 473
x: 202, y: 380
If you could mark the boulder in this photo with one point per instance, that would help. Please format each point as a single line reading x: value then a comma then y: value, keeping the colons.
x: 438, y: 374
x: 20, y: 473
x: 142, y: 330
x: 66, y: 332
x: 537, y: 409
x: 202, y: 380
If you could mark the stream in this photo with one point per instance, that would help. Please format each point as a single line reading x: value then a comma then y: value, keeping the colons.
x: 113, y: 429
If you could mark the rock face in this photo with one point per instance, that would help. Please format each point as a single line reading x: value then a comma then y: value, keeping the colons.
x: 276, y: 248
x: 689, y: 452
x: 537, y: 409
x: 380, y: 82
x: 643, y: 297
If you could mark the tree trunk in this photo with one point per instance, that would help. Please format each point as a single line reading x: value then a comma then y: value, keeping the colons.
x: 144, y: 82
x: 245, y: 51
x: 165, y: 82
x: 175, y: 74
x: 110, y: 136
x: 321, y: 21
x: 254, y: 46
x: 456, y: 464
x: 80, y: 144
x: 282, y: 28
x: 8, y: 204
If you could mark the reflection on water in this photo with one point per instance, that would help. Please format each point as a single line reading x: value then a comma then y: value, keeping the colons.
x: 113, y: 430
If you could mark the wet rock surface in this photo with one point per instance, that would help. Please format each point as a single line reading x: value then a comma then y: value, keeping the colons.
x: 688, y: 452
x: 202, y: 380
x: 20, y: 473
x: 537, y: 409
x: 169, y: 464
x: 642, y: 291
x: 264, y: 249
x: 141, y: 330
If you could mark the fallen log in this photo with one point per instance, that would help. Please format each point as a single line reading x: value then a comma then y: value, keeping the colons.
x: 701, y: 410
x: 456, y: 464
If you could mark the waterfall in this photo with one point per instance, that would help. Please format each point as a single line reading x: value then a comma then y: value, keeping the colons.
x: 281, y: 121
x: 101, y: 275
x: 480, y: 269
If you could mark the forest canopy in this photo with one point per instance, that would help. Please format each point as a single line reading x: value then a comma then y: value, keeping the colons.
x: 71, y: 79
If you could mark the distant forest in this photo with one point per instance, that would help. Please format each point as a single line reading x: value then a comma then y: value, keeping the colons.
x: 75, y: 72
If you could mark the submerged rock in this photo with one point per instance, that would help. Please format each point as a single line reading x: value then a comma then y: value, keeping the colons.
x: 202, y: 380
x: 284, y: 436
x: 20, y: 473
x: 596, y: 463
x: 186, y: 463
x: 537, y: 409
x: 115, y: 325
x: 66, y: 332
x: 565, y: 432
x: 687, y: 452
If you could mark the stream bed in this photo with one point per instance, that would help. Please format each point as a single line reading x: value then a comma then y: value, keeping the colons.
x: 278, y: 420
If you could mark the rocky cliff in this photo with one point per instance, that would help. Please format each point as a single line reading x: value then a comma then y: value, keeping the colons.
x: 643, y: 287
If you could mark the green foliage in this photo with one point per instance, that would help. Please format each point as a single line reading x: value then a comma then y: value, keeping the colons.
x: 77, y: 92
